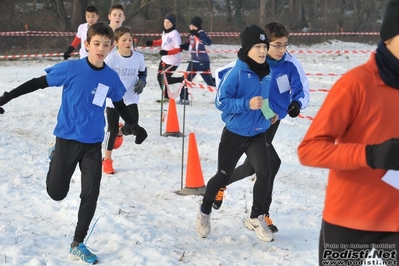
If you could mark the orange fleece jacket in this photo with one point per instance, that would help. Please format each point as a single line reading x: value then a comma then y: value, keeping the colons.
x: 359, y: 110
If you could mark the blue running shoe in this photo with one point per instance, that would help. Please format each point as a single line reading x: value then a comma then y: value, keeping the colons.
x: 50, y: 151
x: 81, y: 252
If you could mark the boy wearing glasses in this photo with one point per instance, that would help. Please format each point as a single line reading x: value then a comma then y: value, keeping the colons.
x: 289, y: 93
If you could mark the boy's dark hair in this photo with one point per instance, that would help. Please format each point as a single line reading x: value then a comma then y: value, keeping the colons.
x: 122, y: 30
x: 116, y: 6
x: 275, y: 30
x: 99, y: 28
x: 92, y: 9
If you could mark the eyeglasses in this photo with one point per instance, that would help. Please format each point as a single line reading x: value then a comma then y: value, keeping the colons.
x: 279, y: 46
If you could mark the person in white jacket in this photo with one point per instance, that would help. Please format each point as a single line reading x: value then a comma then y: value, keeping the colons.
x: 171, y: 52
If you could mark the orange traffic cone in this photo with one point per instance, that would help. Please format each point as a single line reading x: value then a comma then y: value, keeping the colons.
x: 194, y: 179
x: 172, y: 122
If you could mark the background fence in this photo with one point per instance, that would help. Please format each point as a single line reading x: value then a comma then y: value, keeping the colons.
x: 30, y: 44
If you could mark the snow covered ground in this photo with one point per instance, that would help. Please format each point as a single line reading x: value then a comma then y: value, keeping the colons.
x: 140, y: 218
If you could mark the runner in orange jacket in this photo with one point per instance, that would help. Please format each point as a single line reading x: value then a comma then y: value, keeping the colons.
x: 356, y: 135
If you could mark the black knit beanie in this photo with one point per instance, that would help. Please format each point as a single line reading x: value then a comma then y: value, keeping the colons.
x: 196, y: 21
x: 171, y: 17
x: 252, y: 35
x: 390, y: 27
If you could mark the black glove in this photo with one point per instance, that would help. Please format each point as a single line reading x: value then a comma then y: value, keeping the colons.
x: 139, y: 132
x: 194, y: 33
x: 68, y: 52
x: 384, y: 155
x: 163, y: 52
x: 5, y: 98
x: 184, y: 46
x: 148, y: 43
x: 294, y: 109
x: 139, y: 86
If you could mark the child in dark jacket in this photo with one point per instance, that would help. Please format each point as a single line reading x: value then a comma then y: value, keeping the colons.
x: 196, y: 43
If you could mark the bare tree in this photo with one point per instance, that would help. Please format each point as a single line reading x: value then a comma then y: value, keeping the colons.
x: 60, y: 13
x: 262, y: 12
x: 210, y: 7
x: 137, y: 7
x: 238, y: 16
x: 229, y: 15
x: 78, y: 13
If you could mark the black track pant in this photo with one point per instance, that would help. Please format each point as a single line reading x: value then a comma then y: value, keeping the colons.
x: 339, y: 243
x: 113, y: 125
x: 246, y: 169
x: 67, y: 155
x: 169, y: 78
x: 198, y: 66
x: 231, y: 148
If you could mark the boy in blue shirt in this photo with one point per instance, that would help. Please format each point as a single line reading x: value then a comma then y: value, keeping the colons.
x: 80, y: 125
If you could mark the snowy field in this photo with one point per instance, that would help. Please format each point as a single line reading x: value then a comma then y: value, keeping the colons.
x: 140, y: 218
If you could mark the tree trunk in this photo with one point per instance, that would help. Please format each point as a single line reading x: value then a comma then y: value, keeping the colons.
x: 78, y: 13
x: 210, y: 7
x: 238, y: 17
x: 59, y: 9
x: 262, y: 12
x: 229, y: 17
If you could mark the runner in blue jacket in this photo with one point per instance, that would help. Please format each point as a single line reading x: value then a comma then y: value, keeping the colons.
x: 196, y: 43
x: 243, y: 99
x: 289, y: 93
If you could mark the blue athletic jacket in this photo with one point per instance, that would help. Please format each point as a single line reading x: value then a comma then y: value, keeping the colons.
x: 238, y: 86
x: 288, y: 83
x: 198, y: 49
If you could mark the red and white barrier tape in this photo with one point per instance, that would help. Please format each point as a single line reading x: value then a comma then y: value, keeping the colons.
x: 323, y: 74
x: 211, y: 34
x: 320, y: 90
x: 209, y: 51
x: 290, y: 51
x: 191, y: 84
x: 306, y: 117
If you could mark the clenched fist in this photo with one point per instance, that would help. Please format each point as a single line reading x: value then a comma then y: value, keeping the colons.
x: 256, y: 103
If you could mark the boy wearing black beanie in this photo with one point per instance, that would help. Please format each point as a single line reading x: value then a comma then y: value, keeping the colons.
x: 196, y: 43
x: 170, y: 54
x: 286, y: 98
x: 243, y: 98
x: 356, y: 135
